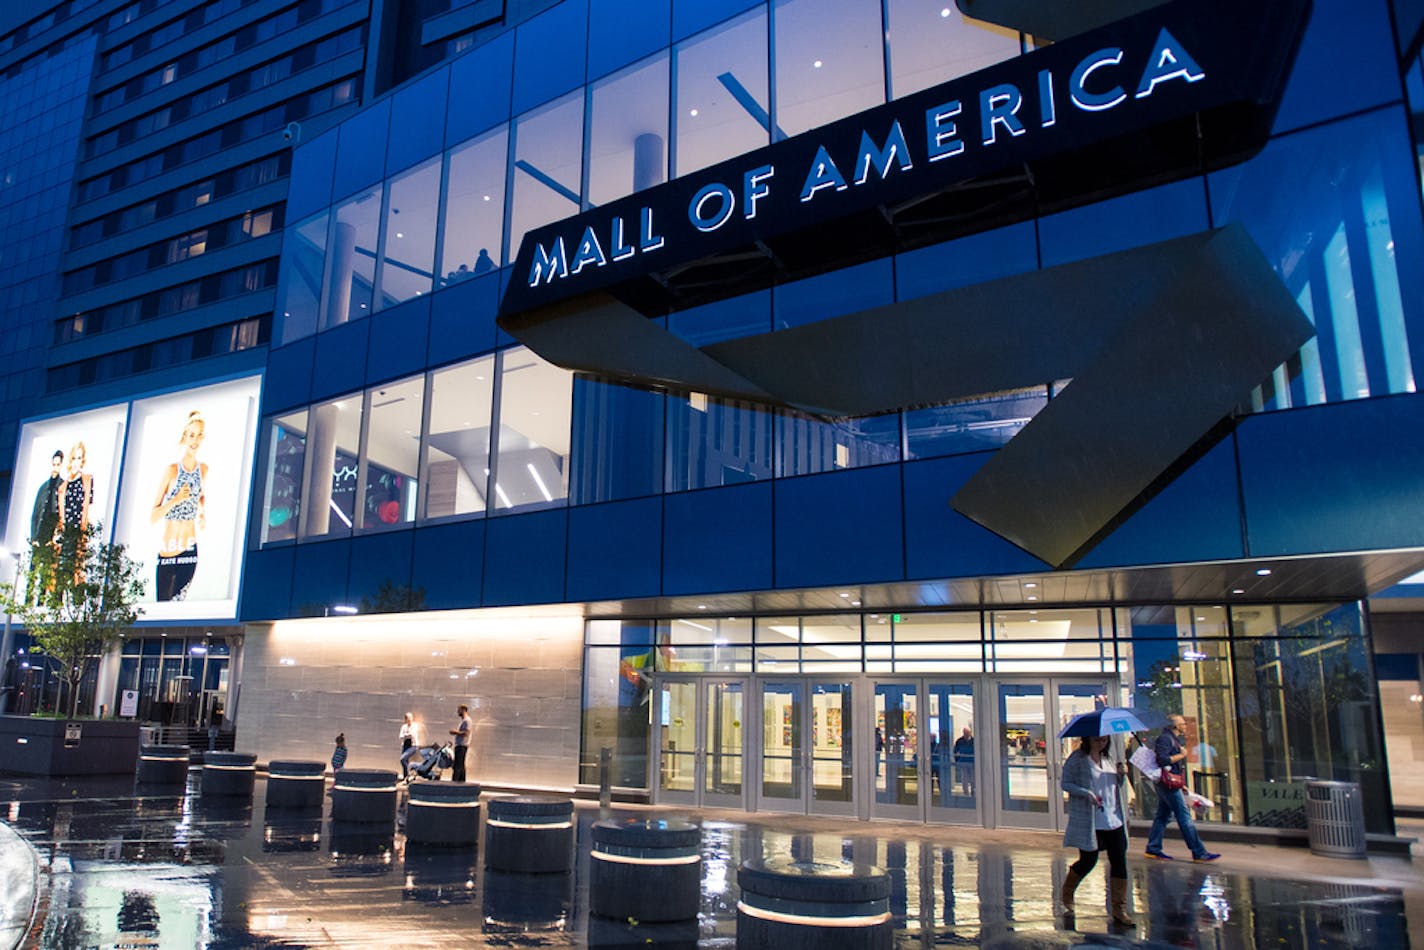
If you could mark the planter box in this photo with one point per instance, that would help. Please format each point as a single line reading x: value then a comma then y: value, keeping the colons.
x: 33, y: 746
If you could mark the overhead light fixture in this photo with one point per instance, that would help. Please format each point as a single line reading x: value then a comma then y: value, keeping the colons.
x: 1263, y: 572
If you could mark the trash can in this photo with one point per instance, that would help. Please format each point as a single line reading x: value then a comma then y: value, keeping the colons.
x: 1335, y: 819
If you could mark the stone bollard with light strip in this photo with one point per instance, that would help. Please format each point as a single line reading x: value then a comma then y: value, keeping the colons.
x: 364, y: 796
x: 162, y: 765
x: 529, y: 835
x: 805, y: 905
x: 229, y: 774
x: 443, y: 813
x: 295, y: 784
x: 648, y: 870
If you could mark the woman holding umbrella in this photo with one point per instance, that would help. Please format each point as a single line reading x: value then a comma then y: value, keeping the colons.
x: 1096, y: 817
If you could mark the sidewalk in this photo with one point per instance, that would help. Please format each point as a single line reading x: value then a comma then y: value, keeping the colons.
x: 175, y: 871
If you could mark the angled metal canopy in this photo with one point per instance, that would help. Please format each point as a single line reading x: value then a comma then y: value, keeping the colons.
x: 1054, y: 20
x: 1162, y: 343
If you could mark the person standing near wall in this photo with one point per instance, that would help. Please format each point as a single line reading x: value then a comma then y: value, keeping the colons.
x: 338, y: 755
x: 462, y: 742
x: 410, y: 743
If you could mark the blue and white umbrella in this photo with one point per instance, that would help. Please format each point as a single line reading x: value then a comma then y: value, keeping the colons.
x: 1112, y: 720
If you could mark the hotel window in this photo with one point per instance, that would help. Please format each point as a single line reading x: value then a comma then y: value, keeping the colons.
x: 532, y: 451
x: 406, y: 271
x: 333, y: 444
x: 809, y: 446
x: 628, y: 131
x: 713, y: 442
x: 826, y: 74
x: 931, y: 43
x: 457, y: 443
x: 723, y: 103
x: 303, y: 265
x: 547, y: 169
x: 351, y: 259
x: 972, y: 425
x: 474, y: 206
x: 392, y: 454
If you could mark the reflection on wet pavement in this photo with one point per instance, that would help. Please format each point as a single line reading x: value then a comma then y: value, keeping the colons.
x: 174, y: 872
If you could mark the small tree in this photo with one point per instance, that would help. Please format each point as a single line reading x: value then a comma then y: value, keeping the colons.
x: 80, y: 595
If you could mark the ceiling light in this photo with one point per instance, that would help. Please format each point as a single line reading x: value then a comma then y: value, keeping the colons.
x: 817, y: 64
x: 1030, y: 585
x: 1264, y: 572
x: 692, y: 112
x: 944, y: 12
x: 1237, y: 590
x: 1031, y: 597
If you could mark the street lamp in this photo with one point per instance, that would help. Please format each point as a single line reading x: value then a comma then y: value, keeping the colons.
x: 6, y: 643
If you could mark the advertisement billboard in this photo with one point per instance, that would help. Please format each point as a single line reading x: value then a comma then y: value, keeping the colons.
x: 182, y: 509
x: 66, y: 472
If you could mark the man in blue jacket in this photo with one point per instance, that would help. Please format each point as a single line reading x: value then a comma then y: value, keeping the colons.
x: 1171, y: 802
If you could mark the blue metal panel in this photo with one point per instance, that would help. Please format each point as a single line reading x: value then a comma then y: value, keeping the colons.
x: 1142, y: 217
x: 319, y: 578
x: 939, y: 541
x: 1346, y: 64
x: 526, y: 558
x: 1001, y: 252
x: 418, y: 121
x: 448, y: 563
x: 287, y: 382
x: 398, y: 340
x: 361, y: 150
x: 839, y: 528
x: 690, y: 16
x: 723, y: 320
x: 480, y: 84
x: 623, y: 31
x: 340, y: 360
x: 313, y: 167
x: 717, y: 540
x: 1195, y: 518
x: 615, y: 550
x: 267, y: 584
x: 834, y: 294
x: 379, y: 559
x: 462, y: 319
x: 1341, y: 477
x: 549, y: 55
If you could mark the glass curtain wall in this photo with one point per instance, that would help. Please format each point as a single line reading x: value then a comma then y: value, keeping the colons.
x: 354, y: 464
x: 1273, y: 695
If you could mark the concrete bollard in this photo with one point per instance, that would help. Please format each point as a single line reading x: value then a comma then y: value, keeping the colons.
x: 162, y: 765
x: 648, y: 870
x: 229, y: 774
x: 804, y: 905
x: 364, y: 796
x: 529, y: 835
x: 295, y: 783
x: 443, y: 813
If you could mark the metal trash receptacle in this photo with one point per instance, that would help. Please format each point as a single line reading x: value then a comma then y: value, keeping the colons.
x: 1335, y: 819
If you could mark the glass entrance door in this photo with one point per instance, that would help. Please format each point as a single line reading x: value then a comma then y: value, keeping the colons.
x: 1029, y: 713
x: 808, y: 748
x: 924, y: 765
x: 700, y: 741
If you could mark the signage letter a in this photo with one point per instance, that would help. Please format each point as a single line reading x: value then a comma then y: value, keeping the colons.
x: 823, y: 174
x: 1168, y: 61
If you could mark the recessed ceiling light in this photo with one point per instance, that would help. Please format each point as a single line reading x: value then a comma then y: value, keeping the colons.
x: 1201, y: 620
x: 692, y: 112
x: 944, y: 12
x: 701, y: 606
x: 855, y: 603
x: 1237, y: 590
x: 1030, y: 585
x: 1264, y: 572
x: 817, y: 64
x: 400, y: 234
x: 845, y: 595
x: 1031, y: 597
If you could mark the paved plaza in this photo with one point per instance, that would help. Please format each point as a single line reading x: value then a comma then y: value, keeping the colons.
x: 119, y: 870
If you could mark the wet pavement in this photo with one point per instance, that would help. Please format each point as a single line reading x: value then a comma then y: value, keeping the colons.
x: 120, y: 870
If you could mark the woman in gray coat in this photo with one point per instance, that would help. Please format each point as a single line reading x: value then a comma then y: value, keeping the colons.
x: 1096, y: 822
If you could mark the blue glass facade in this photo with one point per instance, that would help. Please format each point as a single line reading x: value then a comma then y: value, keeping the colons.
x: 42, y: 109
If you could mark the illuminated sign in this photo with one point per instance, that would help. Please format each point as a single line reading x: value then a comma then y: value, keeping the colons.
x: 168, y: 477
x: 182, y: 510
x: 1174, y: 91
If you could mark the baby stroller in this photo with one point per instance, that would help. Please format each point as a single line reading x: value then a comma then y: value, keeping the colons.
x: 436, y: 758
